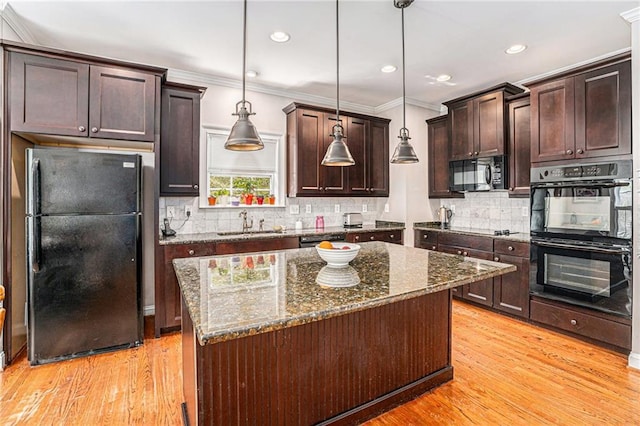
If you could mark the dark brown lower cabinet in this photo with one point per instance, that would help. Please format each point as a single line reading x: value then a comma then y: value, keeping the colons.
x: 396, y: 237
x: 593, y: 325
x: 507, y: 293
x: 167, y: 292
x: 339, y: 370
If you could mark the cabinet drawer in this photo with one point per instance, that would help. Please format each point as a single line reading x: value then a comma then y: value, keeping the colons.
x: 459, y: 240
x: 248, y: 246
x: 511, y: 248
x: 386, y: 236
x: 175, y: 251
x: 583, y: 324
x: 425, y: 239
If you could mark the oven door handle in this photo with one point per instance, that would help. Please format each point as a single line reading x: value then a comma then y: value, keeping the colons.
x: 618, y: 250
x: 588, y: 184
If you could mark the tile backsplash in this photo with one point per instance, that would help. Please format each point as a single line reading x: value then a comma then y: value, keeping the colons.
x: 489, y: 210
x: 227, y: 218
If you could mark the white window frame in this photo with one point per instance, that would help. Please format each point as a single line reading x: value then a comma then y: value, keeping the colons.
x: 279, y: 175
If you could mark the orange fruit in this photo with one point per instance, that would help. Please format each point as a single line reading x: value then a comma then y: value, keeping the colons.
x: 325, y: 245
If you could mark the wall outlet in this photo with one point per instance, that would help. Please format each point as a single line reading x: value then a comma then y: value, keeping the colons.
x: 187, y: 211
x: 294, y: 209
x: 307, y: 208
x: 336, y: 208
x: 171, y: 212
x: 452, y: 208
x: 386, y: 207
x: 364, y: 208
x: 525, y: 211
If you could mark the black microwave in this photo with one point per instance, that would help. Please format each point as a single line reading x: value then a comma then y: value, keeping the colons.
x: 478, y: 174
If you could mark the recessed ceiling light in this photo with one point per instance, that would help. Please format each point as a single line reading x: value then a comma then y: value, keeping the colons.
x: 251, y: 73
x: 516, y: 48
x: 280, y: 36
x: 388, y: 68
x: 443, y: 77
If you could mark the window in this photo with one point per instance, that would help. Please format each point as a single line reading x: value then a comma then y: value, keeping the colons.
x: 230, y: 175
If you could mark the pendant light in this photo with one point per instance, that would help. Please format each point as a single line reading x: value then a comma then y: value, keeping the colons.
x: 338, y: 152
x: 404, y: 153
x: 244, y: 135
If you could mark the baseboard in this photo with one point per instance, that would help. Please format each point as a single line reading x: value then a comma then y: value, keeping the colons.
x: 634, y: 360
x: 149, y: 310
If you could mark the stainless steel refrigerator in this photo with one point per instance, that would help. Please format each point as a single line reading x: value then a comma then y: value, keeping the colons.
x: 83, y: 253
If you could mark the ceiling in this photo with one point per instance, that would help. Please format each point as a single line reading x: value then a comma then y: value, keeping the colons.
x: 464, y: 39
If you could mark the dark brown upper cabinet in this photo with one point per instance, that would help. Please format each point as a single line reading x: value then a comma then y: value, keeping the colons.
x: 477, y: 123
x: 438, y: 158
x: 180, y: 139
x: 309, y: 133
x: 519, y: 145
x: 584, y: 114
x: 71, y: 98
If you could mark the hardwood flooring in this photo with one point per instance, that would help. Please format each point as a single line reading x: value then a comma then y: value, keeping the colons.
x: 506, y: 373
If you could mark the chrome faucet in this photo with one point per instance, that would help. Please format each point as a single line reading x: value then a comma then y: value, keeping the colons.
x: 261, y: 227
x: 245, y: 226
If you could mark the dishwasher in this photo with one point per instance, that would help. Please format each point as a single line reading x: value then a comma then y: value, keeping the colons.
x: 312, y: 240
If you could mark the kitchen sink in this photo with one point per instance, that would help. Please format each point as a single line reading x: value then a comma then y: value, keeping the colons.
x: 251, y: 232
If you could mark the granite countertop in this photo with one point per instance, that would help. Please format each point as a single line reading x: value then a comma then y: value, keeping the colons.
x: 232, y: 296
x: 516, y: 236
x: 214, y: 236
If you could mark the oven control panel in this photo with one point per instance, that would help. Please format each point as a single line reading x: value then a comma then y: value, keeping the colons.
x: 599, y: 171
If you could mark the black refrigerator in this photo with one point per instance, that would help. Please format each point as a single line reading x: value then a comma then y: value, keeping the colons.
x: 84, y: 246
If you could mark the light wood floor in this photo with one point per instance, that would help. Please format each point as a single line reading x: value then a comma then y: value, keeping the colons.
x: 506, y: 373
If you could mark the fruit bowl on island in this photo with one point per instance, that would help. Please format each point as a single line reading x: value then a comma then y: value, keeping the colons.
x: 338, y: 253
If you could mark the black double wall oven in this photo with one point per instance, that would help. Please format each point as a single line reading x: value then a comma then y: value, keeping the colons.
x: 581, y: 235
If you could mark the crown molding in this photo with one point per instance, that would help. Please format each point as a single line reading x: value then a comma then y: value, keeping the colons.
x: 11, y: 18
x: 571, y: 67
x: 632, y: 15
x: 200, y: 78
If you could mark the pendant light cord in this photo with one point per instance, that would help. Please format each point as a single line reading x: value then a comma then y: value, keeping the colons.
x: 337, y: 67
x: 244, y: 51
x: 404, y: 96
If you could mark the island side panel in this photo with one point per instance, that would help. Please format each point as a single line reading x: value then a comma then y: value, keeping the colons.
x: 340, y: 369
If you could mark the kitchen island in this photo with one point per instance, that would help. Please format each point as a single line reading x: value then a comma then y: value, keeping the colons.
x: 268, y: 339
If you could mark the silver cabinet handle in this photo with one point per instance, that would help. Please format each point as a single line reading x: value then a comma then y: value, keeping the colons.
x: 510, y: 248
x: 475, y: 153
x: 569, y: 152
x: 459, y: 251
x: 573, y: 322
x: 195, y: 186
x: 357, y: 237
x: 372, y: 238
x: 94, y: 129
x: 426, y: 236
x: 82, y: 128
x: 191, y: 252
x: 391, y: 236
x: 497, y: 259
x: 470, y: 154
x: 465, y: 253
x: 433, y: 247
x: 580, y: 151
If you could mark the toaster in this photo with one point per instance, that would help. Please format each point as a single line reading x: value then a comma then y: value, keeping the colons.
x: 352, y: 220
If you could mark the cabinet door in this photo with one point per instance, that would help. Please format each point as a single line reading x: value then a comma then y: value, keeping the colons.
x: 378, y: 158
x: 438, y: 159
x: 179, y: 142
x: 395, y: 237
x: 425, y: 239
x: 488, y: 125
x: 358, y: 129
x: 48, y: 95
x: 511, y: 291
x: 122, y: 104
x: 333, y: 179
x: 461, y: 130
x: 552, y: 121
x: 480, y: 291
x: 519, y: 147
x: 309, y: 151
x: 603, y: 111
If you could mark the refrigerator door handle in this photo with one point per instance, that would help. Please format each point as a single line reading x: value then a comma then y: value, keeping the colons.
x: 35, y: 179
x: 37, y: 247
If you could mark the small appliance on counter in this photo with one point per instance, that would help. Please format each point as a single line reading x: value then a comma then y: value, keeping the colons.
x: 444, y: 217
x: 352, y: 220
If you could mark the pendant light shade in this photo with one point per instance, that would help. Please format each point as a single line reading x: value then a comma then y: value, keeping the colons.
x: 338, y: 152
x: 404, y: 152
x: 244, y: 135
